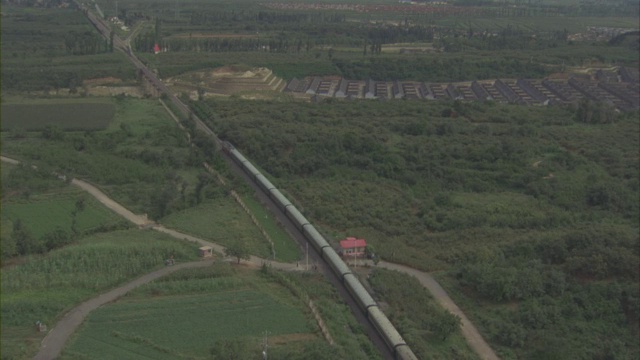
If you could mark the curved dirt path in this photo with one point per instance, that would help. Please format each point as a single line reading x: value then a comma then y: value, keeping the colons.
x: 72, y: 320
x: 470, y: 333
x: 57, y: 337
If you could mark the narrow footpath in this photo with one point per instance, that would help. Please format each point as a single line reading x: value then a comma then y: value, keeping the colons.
x: 56, y: 338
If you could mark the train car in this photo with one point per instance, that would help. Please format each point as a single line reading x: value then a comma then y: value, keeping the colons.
x: 279, y: 199
x: 296, y: 216
x: 337, y: 265
x: 237, y: 156
x: 317, y: 240
x: 250, y: 169
x: 390, y: 335
x: 359, y: 293
x: 264, y: 183
x: 403, y: 352
x: 227, y: 147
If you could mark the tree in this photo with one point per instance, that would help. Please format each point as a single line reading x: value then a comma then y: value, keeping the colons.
x: 79, y: 207
x: 238, y: 250
x: 231, y: 349
x: 55, y: 239
x: 444, y: 324
x: 25, y: 242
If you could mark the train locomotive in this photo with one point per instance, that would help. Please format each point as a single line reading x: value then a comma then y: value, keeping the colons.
x: 367, y: 304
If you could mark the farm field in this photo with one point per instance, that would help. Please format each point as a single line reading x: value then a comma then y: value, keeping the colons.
x: 185, y: 315
x: 221, y: 221
x: 43, y: 287
x: 286, y: 250
x: 76, y: 115
x: 529, y: 214
x: 44, y: 213
x: 47, y: 50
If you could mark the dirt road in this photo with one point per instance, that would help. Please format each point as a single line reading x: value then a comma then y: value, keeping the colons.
x: 53, y: 343
x: 55, y: 340
x: 470, y: 333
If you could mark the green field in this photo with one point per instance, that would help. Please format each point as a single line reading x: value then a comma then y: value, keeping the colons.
x: 286, y: 249
x: 184, y: 315
x: 44, y: 213
x: 84, y: 115
x: 221, y: 221
x: 43, y: 287
x: 48, y: 49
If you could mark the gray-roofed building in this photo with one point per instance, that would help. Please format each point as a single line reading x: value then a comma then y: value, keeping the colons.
x: 629, y: 75
x: 354, y: 89
x: 426, y: 92
x: 453, y: 92
x: 314, y: 86
x: 563, y: 91
x: 382, y: 90
x: 292, y: 85
x: 342, y: 89
x: 535, y: 95
x: 606, y: 76
x: 410, y: 90
x: 397, y: 90
x: 324, y: 87
x: 481, y: 93
x: 370, y: 89
x: 506, y: 91
x: 466, y: 93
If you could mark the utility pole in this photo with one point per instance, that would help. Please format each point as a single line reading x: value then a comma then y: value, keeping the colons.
x: 355, y: 260
x: 307, y: 255
x: 265, y: 345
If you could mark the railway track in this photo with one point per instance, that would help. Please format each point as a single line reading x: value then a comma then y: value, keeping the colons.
x: 314, y: 257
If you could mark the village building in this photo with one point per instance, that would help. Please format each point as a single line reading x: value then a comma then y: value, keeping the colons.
x: 352, y: 247
x: 206, y: 251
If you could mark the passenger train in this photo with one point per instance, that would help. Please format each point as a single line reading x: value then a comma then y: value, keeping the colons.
x: 392, y: 338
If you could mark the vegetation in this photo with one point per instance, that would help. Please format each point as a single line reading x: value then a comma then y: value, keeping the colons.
x: 49, y: 221
x: 429, y: 330
x: 383, y: 42
x: 238, y: 250
x: 530, y: 213
x: 497, y: 195
x: 43, y: 287
x: 246, y: 303
x: 38, y: 116
x: 47, y: 49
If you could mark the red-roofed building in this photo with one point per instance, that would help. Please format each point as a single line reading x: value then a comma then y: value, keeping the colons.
x: 353, y: 247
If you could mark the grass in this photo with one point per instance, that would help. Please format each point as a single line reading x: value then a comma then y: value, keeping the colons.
x: 44, y: 287
x: 221, y: 221
x: 285, y: 248
x: 46, y: 212
x: 412, y: 308
x: 85, y: 115
x: 183, y: 315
